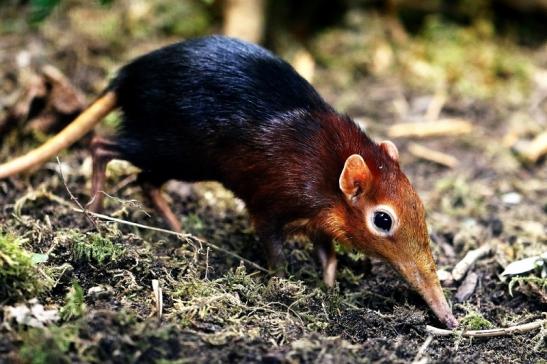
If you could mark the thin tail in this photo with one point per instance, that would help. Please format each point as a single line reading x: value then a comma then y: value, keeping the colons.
x: 68, y: 136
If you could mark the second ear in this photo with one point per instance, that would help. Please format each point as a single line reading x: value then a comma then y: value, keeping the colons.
x: 391, y: 149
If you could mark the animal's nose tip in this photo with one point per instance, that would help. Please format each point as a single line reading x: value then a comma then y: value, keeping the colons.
x: 451, y: 322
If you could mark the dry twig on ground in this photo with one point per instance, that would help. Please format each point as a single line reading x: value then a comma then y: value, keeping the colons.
x: 501, y: 331
x: 470, y: 258
x: 441, y: 127
x: 74, y: 199
x: 431, y: 155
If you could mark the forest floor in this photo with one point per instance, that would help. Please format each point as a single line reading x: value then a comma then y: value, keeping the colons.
x: 95, y: 279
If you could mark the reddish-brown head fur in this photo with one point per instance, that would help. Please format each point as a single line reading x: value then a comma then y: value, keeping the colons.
x: 379, y: 212
x: 322, y: 171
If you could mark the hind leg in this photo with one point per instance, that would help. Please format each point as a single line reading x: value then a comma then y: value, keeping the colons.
x: 152, y: 190
x: 103, y: 150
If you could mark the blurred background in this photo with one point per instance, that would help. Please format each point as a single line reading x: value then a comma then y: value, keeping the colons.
x: 368, y: 58
x: 481, y: 49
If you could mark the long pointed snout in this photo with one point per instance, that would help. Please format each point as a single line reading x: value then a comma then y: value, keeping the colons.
x: 426, y: 282
x: 435, y: 299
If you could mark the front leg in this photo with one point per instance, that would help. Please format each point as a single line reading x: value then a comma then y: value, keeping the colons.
x: 327, y: 256
x: 272, y: 238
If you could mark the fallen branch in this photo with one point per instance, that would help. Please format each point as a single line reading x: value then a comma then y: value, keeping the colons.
x: 502, y: 331
x: 431, y: 155
x: 180, y: 235
x: 441, y: 127
x: 467, y: 262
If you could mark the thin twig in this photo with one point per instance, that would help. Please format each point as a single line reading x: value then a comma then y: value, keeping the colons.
x: 180, y: 235
x: 136, y: 204
x: 502, y: 331
x: 158, y: 297
x: 73, y: 198
x: 467, y: 262
x: 431, y: 155
x: 207, y: 264
x: 423, y: 349
x: 428, y: 129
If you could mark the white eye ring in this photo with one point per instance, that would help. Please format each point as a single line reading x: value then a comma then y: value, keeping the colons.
x: 382, y: 209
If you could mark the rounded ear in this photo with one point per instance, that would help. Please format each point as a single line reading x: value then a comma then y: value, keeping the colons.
x: 389, y: 147
x: 354, y: 177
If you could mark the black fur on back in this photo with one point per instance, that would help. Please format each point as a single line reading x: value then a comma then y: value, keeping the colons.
x: 188, y: 99
x: 217, y: 108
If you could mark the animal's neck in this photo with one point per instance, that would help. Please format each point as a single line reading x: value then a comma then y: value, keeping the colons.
x: 332, y: 143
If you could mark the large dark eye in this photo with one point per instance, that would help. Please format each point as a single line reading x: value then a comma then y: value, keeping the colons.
x: 383, y: 221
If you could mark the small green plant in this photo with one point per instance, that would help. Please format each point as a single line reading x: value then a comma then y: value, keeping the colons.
x: 475, y: 320
x: 222, y: 299
x: 535, y: 266
x: 74, y: 303
x: 532, y: 280
x: 95, y: 248
x: 18, y: 275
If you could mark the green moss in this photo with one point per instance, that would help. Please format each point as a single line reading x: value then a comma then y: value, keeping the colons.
x: 74, y: 303
x: 48, y: 345
x: 199, y: 298
x: 232, y: 301
x: 475, y: 321
x: 95, y: 248
x: 18, y: 275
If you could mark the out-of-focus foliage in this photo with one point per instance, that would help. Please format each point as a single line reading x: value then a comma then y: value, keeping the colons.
x: 470, y: 60
x: 42, y: 8
x: 465, y: 47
